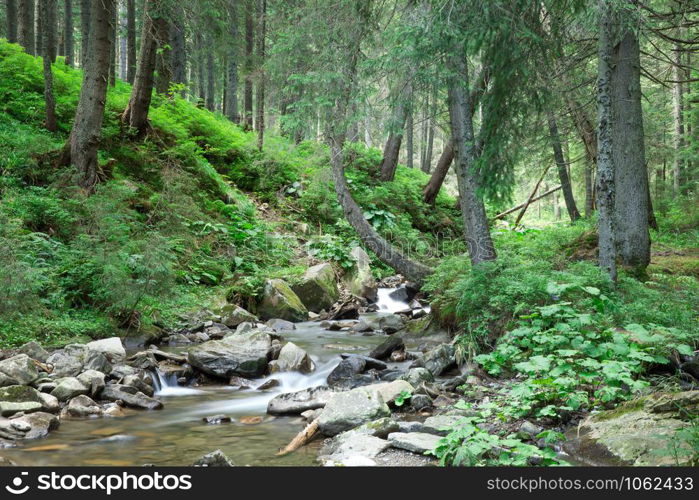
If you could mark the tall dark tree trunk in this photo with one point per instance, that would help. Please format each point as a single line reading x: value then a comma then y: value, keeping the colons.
x: 477, y: 233
x: 48, y: 52
x: 200, y: 71
x: 131, y: 40
x: 631, y: 175
x: 113, y: 50
x: 391, y: 150
x: 605, y: 149
x: 262, y: 34
x: 85, y: 24
x: 562, y: 167
x: 85, y: 135
x: 68, y: 32
x: 26, y: 35
x: 11, y: 14
x: 429, y: 194
x: 163, y: 58
x: 249, y: 64
x: 179, y: 49
x: 589, y: 190
x: 210, y: 81
x: 232, y: 77
x: 153, y: 35
x: 410, y: 138
x: 429, y: 150
x: 678, y: 118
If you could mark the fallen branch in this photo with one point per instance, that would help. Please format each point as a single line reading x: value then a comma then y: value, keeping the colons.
x: 301, y: 438
x: 520, y: 206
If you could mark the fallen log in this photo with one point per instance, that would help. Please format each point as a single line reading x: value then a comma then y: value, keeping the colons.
x: 520, y: 206
x: 301, y: 438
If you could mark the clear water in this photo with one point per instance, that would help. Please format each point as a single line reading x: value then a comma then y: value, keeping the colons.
x: 177, y: 435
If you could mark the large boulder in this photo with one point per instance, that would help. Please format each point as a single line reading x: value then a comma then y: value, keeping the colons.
x: 439, y: 359
x: 32, y: 426
x: 416, y: 376
x: 21, y: 398
x: 232, y: 316
x: 67, y: 362
x: 18, y: 370
x: 350, y: 448
x: 69, y: 388
x: 384, y: 350
x: 391, y: 390
x: 360, y: 279
x: 280, y: 301
x: 640, y: 432
x: 245, y: 355
x: 318, y: 288
x: 416, y: 442
x: 292, y: 359
x: 112, y: 348
x: 82, y: 407
x: 347, y: 374
x: 347, y: 410
x: 93, y: 380
x: 131, y: 397
x: 295, y: 403
x: 34, y: 351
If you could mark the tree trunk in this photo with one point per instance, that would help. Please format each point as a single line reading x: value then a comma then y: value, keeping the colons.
x: 85, y: 135
x: 201, y: 72
x: 113, y: 50
x: 429, y: 194
x: 678, y: 119
x: 131, y: 40
x: 391, y: 151
x: 429, y: 151
x: 163, y: 57
x: 232, y: 77
x: 562, y: 168
x: 409, y: 137
x: 605, y: 157
x: 631, y: 175
x: 68, y: 33
x: 179, y: 50
x: 477, y: 232
x: 262, y: 21
x: 85, y: 24
x: 48, y: 13
x: 11, y: 14
x: 152, y: 36
x: 123, y: 45
x: 25, y: 36
x: 210, y: 81
x: 589, y: 190
x: 249, y: 64
x: 528, y: 202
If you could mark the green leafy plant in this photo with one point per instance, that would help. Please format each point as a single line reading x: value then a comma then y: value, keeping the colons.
x: 402, y: 398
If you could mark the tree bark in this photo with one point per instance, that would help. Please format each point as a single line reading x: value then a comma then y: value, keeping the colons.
x: 26, y: 35
x: 232, y: 77
x: 429, y: 151
x: 262, y: 21
x: 410, y: 138
x: 152, y: 36
x: 249, y: 64
x: 395, y: 137
x: 477, y: 232
x: 429, y: 194
x: 85, y: 24
x: 68, y: 33
x: 48, y: 13
x: 528, y: 202
x: 85, y: 135
x: 163, y: 57
x: 11, y: 14
x: 210, y: 81
x: 179, y: 49
x: 562, y: 167
x: 631, y: 175
x: 678, y: 119
x: 113, y: 49
x: 605, y: 153
x: 131, y: 40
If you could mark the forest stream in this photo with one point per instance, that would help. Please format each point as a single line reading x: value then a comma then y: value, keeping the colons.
x: 177, y: 435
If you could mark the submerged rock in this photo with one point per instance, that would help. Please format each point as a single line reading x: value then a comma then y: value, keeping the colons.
x: 280, y: 301
x: 214, y: 459
x: 346, y: 410
x: 318, y: 288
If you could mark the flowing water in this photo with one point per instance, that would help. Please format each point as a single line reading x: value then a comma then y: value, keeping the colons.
x: 177, y: 435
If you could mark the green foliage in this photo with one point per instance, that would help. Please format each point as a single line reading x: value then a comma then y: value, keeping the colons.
x: 331, y: 248
x: 402, y: 398
x: 684, y: 445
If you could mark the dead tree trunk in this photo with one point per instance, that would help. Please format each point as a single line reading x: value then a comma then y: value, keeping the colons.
x: 429, y: 194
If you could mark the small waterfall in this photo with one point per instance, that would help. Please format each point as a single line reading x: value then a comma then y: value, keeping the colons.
x: 166, y: 385
x: 388, y: 304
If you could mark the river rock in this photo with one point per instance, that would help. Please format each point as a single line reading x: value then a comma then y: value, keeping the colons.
x: 7, y: 409
x: 96, y: 360
x: 292, y: 359
x: 635, y: 433
x: 112, y: 348
x: 141, y: 381
x: 82, y: 407
x: 131, y: 397
x: 67, y: 362
x: 416, y: 442
x: 34, y: 350
x: 360, y: 279
x: 295, y: 403
x: 318, y: 289
x: 391, y: 390
x: 217, y: 419
x: 214, y: 459
x: 439, y: 359
x: 69, y: 387
x: 416, y: 376
x: 369, y: 363
x: 441, y: 425
x: 245, y: 355
x: 384, y: 350
x: 346, y: 410
x: 50, y: 403
x: 346, y: 373
x: 21, y: 398
x: 281, y: 325
x: 233, y: 315
x: 17, y: 370
x: 93, y: 380
x: 280, y: 301
x: 351, y: 448
x: 33, y: 426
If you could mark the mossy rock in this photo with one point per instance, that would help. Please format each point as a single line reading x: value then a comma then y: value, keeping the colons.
x: 318, y: 288
x: 280, y: 301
